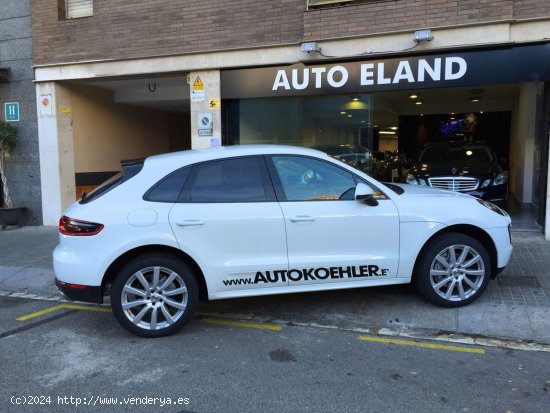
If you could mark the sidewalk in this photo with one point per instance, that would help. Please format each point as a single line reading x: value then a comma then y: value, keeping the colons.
x: 516, y: 305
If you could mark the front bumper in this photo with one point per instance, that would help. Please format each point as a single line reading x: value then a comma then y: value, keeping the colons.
x: 495, y: 194
x: 77, y: 292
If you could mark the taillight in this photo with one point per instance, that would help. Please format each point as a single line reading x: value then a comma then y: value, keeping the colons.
x: 75, y: 227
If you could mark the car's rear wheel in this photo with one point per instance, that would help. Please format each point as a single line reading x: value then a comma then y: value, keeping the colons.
x: 154, y: 295
x: 453, y: 271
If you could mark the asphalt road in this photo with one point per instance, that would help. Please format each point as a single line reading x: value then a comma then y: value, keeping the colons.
x: 214, y: 367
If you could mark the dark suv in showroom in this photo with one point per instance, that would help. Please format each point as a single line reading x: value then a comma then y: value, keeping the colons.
x: 468, y: 167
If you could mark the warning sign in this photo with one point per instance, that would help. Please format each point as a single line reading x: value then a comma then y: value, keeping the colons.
x: 197, y: 91
x: 46, y: 107
x: 214, y: 103
x: 198, y: 85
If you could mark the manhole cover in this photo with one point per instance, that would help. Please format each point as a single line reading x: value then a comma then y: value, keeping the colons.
x: 519, y: 281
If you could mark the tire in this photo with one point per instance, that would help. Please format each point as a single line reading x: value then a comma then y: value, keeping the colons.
x: 449, y: 282
x: 154, y: 295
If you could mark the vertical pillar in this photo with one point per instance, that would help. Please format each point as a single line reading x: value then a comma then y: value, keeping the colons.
x: 547, y: 203
x: 205, y: 85
x: 55, y: 143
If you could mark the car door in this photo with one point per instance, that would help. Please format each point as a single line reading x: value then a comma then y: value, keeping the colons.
x: 331, y: 237
x: 229, y: 221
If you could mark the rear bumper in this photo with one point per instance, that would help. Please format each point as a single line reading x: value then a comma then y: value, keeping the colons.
x: 77, y: 292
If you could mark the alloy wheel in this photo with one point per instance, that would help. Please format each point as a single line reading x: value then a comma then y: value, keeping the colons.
x: 154, y: 298
x: 457, y: 272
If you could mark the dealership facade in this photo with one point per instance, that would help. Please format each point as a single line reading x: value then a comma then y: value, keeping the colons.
x: 121, y: 80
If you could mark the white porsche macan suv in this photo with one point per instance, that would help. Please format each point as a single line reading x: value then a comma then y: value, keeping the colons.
x: 256, y: 220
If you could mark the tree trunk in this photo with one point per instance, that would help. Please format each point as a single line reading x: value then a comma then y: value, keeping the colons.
x: 5, y: 195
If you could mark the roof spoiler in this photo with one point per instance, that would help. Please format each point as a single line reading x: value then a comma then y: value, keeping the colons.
x: 129, y: 162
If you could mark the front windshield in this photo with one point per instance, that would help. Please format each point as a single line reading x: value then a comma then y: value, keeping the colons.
x: 468, y: 153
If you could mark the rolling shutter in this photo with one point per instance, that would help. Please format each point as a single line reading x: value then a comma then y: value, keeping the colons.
x: 79, y: 8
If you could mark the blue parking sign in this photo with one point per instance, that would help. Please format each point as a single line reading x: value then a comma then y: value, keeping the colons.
x: 11, y: 111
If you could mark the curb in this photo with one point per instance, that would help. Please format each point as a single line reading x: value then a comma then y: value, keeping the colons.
x: 404, y: 332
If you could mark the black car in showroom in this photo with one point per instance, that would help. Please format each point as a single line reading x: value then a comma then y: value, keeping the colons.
x: 468, y: 167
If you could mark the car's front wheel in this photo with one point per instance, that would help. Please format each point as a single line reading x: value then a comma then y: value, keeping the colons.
x: 453, y: 271
x: 154, y: 295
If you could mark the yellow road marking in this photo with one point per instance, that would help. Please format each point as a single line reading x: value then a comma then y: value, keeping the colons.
x: 241, y: 324
x: 61, y: 307
x: 423, y: 345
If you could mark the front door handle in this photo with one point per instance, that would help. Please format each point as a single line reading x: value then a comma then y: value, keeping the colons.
x: 190, y: 223
x: 302, y: 218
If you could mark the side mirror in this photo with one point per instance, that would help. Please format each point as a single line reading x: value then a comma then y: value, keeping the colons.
x: 364, y: 193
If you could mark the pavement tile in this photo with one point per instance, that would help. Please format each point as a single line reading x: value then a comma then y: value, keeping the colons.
x: 496, y: 320
x: 31, y: 280
x: 539, y: 318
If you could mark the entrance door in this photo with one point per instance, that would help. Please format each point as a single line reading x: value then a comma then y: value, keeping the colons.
x: 332, y: 237
x: 231, y: 224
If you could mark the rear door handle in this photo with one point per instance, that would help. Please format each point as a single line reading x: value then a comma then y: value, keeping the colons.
x: 302, y: 218
x: 190, y: 223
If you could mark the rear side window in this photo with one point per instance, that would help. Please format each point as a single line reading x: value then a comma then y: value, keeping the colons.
x: 129, y: 170
x: 228, y: 180
x: 168, y: 189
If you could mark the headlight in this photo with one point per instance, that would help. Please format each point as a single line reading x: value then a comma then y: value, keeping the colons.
x: 492, y: 207
x: 500, y: 179
x: 410, y: 179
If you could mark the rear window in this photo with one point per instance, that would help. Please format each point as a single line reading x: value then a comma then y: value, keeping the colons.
x: 129, y: 170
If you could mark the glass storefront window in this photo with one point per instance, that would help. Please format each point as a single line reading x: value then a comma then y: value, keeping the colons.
x: 338, y: 125
x: 300, y: 121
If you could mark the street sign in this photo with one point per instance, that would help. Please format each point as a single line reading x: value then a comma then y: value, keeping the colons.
x: 205, y: 127
x: 11, y: 111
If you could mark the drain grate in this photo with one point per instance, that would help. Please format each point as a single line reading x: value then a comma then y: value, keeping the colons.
x: 519, y: 281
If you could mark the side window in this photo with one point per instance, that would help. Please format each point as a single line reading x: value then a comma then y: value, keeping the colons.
x: 228, y: 180
x: 168, y: 189
x: 306, y: 179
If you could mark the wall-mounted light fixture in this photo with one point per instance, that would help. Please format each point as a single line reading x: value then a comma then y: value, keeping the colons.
x: 475, y: 99
x: 310, y: 47
x: 413, y: 96
x: 423, y: 35
x: 419, y: 102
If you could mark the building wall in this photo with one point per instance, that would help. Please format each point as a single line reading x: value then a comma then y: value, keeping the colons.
x: 124, y: 29
x: 23, y: 170
x: 105, y: 132
x: 128, y: 29
x: 390, y: 16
